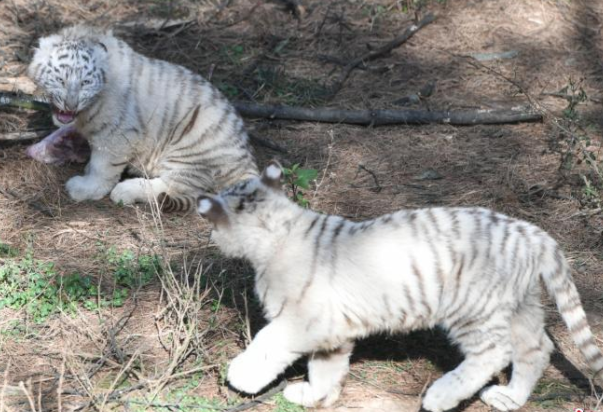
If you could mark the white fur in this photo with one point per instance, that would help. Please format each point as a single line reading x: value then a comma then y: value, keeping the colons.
x: 158, y: 119
x: 88, y: 187
x: 138, y: 190
x: 204, y: 206
x: 273, y: 172
x: 324, y: 281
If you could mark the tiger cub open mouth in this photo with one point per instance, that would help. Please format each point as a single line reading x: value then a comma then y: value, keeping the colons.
x: 64, y: 117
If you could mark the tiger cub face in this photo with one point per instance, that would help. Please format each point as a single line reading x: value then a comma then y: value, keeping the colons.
x: 71, y: 73
x: 246, y: 210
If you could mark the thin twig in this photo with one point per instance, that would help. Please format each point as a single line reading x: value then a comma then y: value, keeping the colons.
x: 39, y: 207
x: 427, y: 382
x: 377, y: 188
x: 32, y: 405
x: 181, y: 406
x: 112, y: 397
x: 60, y: 386
x: 4, y: 384
x: 248, y: 336
x: 259, y: 399
x: 376, y: 53
x: 266, y: 143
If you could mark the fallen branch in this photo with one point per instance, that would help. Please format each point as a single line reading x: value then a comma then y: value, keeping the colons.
x: 22, y: 101
x: 23, y: 136
x: 374, y: 54
x: 362, y: 117
x: 383, y: 117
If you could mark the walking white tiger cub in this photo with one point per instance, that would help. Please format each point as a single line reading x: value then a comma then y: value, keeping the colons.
x: 324, y: 281
x: 160, y: 120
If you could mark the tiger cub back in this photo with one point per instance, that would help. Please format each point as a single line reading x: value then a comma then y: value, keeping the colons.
x: 324, y: 281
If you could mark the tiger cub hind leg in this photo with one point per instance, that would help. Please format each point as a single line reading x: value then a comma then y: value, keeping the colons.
x: 327, y: 372
x: 531, y: 353
x: 487, y: 349
x: 138, y: 190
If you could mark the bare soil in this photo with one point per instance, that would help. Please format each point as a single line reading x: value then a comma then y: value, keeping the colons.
x: 258, y: 50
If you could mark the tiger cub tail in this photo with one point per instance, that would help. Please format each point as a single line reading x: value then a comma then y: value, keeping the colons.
x: 557, y: 277
x: 180, y: 203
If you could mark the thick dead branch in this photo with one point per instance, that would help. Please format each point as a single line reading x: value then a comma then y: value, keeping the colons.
x: 23, y: 136
x: 383, y: 117
x: 22, y: 101
x: 376, y: 53
x: 362, y: 117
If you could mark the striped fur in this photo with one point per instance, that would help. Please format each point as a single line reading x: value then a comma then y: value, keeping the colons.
x: 162, y: 122
x: 325, y: 281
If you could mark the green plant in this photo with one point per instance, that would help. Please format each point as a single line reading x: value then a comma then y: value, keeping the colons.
x: 283, y: 405
x: 575, y: 95
x: 7, y: 250
x: 38, y: 288
x: 234, y: 53
x: 579, y: 154
x: 297, y: 178
x: 228, y: 89
x: 591, y: 194
x: 130, y: 270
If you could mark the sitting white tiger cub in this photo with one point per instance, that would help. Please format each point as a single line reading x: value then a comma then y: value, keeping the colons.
x: 324, y: 281
x: 160, y: 120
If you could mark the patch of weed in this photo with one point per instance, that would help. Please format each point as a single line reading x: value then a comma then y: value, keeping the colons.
x: 228, y: 89
x: 7, y: 250
x: 283, y: 405
x: 578, y: 153
x: 131, y: 270
x: 234, y: 53
x: 38, y: 288
x: 551, y: 394
x: 298, y: 178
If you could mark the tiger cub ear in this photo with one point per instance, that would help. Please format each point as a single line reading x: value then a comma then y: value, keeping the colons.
x: 272, y: 175
x: 212, y: 210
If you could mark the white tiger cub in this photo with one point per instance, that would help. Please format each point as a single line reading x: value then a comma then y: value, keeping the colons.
x: 160, y: 120
x: 324, y: 281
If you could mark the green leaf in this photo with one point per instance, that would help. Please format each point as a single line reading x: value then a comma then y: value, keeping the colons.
x: 304, y: 177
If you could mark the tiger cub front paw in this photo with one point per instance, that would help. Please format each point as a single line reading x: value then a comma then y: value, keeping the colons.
x: 82, y: 188
x: 302, y: 394
x: 249, y: 374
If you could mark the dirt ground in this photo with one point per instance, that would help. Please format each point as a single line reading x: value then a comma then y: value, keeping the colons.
x: 166, y: 344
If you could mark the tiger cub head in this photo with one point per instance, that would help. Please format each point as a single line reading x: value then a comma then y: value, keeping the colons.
x: 70, y: 68
x: 248, y: 212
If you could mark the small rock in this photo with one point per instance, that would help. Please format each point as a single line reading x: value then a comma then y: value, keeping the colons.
x: 429, y: 174
x: 484, y: 57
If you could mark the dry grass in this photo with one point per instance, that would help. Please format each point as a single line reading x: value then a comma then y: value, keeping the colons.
x: 170, y: 341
